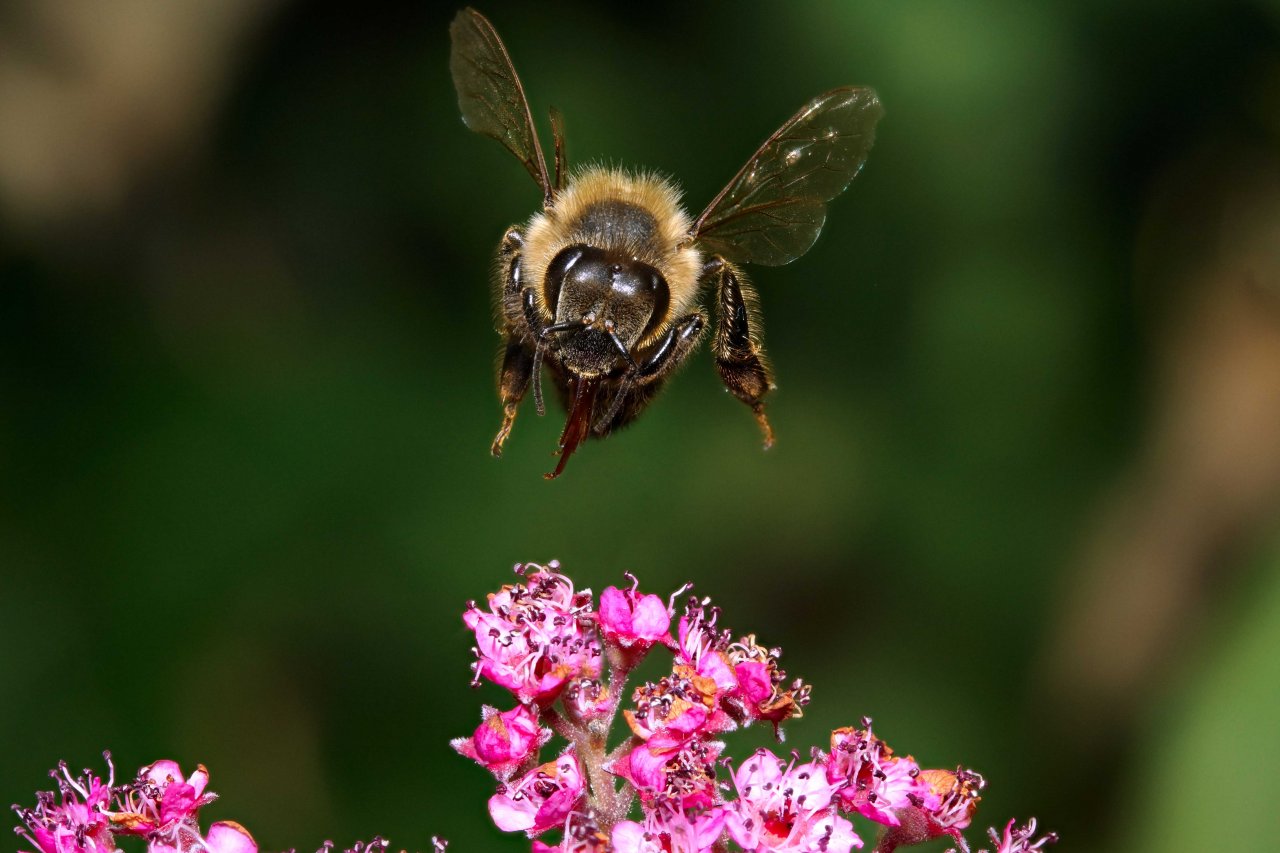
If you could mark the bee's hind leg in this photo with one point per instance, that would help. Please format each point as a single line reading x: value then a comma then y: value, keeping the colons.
x: 513, y: 382
x: 737, y: 347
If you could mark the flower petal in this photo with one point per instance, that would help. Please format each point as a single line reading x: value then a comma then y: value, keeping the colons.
x: 227, y: 836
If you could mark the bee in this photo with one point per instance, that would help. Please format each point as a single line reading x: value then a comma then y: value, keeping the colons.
x: 603, y: 285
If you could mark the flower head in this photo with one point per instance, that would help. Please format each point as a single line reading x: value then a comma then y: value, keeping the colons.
x: 786, y: 808
x: 536, y: 635
x: 539, y: 800
x: 569, y: 664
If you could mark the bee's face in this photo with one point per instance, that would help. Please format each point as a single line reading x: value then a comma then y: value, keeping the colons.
x: 616, y: 299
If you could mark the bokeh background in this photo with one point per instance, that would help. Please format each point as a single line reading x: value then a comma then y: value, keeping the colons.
x: 1025, y: 504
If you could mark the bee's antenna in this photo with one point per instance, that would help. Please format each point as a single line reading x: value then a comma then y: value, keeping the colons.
x: 569, y: 326
x: 622, y: 348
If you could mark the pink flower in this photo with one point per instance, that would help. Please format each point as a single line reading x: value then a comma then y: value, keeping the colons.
x: 1020, y: 839
x: 80, y: 823
x: 781, y: 808
x: 681, y: 704
x: 683, y: 776
x: 676, y: 760
x: 645, y: 770
x: 581, y: 835
x: 949, y: 809
x: 702, y: 647
x: 632, y: 620
x: 539, y: 800
x: 876, y: 783
x: 586, y: 699
x: 225, y: 836
x: 759, y: 693
x: 163, y: 806
x: 536, y: 637
x: 504, y: 740
x: 160, y: 800
x: 958, y: 794
x: 670, y: 830
x: 159, y: 804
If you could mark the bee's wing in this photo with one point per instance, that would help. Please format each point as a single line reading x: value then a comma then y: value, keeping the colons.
x: 490, y: 95
x: 772, y: 210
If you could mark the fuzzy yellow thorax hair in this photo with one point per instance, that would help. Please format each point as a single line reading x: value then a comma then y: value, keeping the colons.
x: 561, y: 225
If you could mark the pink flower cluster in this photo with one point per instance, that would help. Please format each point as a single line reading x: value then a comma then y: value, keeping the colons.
x: 160, y: 805
x: 659, y: 788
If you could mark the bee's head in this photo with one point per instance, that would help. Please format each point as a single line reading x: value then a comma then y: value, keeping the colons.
x: 605, y: 303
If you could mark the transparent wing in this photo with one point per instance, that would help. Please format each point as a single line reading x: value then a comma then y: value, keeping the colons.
x: 772, y: 210
x: 490, y: 95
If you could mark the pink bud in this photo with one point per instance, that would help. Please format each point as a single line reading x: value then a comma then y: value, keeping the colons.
x: 504, y: 740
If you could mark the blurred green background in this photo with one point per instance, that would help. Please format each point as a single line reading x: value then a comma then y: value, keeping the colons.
x: 1024, y: 504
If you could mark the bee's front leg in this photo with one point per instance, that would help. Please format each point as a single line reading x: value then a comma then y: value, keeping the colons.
x: 651, y: 368
x: 738, y: 351
x: 518, y: 359
x: 671, y: 349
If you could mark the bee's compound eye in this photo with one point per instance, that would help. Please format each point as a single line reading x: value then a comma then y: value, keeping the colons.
x: 557, y: 270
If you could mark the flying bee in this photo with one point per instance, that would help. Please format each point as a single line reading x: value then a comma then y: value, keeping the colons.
x: 602, y: 285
